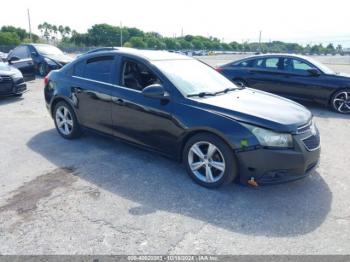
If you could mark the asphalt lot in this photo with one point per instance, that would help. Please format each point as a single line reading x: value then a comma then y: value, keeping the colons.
x: 99, y: 196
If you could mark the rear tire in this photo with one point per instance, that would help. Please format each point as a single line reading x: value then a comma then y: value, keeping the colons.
x: 66, y: 121
x: 209, y: 161
x: 340, y: 101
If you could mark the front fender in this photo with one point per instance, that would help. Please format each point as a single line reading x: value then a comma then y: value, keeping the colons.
x: 231, y: 131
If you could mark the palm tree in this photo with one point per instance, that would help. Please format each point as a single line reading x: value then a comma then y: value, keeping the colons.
x: 61, y: 30
x: 67, y: 30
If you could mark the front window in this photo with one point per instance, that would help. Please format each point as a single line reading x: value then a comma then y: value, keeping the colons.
x: 48, y: 50
x: 192, y: 77
x: 137, y: 76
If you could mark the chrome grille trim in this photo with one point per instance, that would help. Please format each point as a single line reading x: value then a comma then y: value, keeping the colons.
x: 304, y: 128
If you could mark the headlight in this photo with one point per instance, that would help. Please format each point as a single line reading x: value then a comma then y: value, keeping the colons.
x: 270, y: 138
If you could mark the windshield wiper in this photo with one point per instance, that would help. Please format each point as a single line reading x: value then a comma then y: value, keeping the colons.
x: 202, y: 94
x: 225, y: 90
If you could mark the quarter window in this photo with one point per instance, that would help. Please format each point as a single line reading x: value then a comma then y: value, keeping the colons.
x: 246, y: 63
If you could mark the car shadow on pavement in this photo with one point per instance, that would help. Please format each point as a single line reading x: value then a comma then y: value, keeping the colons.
x: 5, y: 100
x: 156, y: 183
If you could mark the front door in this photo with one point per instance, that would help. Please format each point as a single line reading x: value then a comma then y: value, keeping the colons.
x: 139, y: 119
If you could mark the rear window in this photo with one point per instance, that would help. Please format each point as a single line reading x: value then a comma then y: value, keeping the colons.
x: 246, y: 63
x: 96, y: 68
x: 99, y: 68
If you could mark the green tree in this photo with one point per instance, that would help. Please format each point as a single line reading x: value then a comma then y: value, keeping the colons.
x: 22, y: 34
x: 104, y: 35
x: 137, y: 42
x: 330, y: 49
x: 339, y: 49
x: 172, y: 43
x: 9, y: 38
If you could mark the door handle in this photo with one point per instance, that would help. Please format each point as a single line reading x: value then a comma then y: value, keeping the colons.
x: 118, y: 101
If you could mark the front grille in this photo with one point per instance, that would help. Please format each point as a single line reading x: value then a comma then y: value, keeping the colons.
x: 312, y: 142
x: 6, y: 84
x: 5, y: 79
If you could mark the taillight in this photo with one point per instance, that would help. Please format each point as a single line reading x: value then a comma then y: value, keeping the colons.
x: 219, y: 69
x: 46, y: 80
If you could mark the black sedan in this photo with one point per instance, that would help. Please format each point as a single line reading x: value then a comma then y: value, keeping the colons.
x: 45, y: 57
x: 292, y: 76
x: 12, y: 79
x: 180, y: 107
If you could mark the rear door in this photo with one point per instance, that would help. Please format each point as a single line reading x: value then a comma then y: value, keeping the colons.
x: 266, y: 73
x: 91, y: 85
x: 21, y: 59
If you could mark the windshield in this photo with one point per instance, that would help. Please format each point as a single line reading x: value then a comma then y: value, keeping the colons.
x: 325, y: 69
x: 193, y: 77
x: 48, y: 50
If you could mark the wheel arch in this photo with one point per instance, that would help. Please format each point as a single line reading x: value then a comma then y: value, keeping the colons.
x: 58, y: 99
x: 336, y: 91
x: 193, y: 132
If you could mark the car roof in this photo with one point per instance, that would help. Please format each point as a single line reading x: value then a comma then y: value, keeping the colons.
x: 274, y: 55
x: 151, y: 55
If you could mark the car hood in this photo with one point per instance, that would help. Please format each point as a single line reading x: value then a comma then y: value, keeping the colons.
x: 62, y: 59
x: 6, y: 69
x: 259, y: 108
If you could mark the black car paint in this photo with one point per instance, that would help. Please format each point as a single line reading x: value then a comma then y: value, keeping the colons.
x: 312, y: 87
x: 9, y: 85
x: 164, y: 125
x: 38, y: 59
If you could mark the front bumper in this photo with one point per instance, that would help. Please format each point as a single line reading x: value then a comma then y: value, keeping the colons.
x: 11, y: 87
x: 273, y: 166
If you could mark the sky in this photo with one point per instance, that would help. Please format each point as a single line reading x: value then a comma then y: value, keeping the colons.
x: 301, y: 21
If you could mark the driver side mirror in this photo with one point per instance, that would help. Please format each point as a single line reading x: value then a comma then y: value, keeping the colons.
x: 13, y: 59
x: 155, y: 91
x: 314, y: 72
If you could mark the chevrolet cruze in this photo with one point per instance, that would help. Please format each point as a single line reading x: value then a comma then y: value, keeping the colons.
x: 182, y: 108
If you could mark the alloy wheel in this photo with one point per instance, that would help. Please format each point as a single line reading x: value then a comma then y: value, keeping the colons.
x: 206, y: 162
x: 64, y: 120
x: 341, y: 102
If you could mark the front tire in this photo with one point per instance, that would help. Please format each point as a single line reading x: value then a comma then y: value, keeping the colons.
x: 340, y: 101
x: 209, y: 161
x: 66, y: 121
